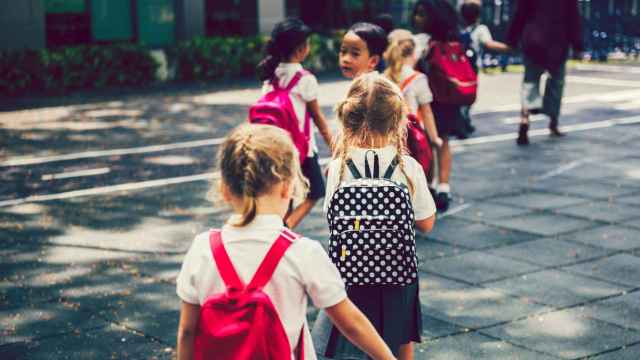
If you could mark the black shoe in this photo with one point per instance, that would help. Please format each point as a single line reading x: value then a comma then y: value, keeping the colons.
x: 553, y: 129
x: 523, y: 138
x: 442, y: 200
x: 432, y: 191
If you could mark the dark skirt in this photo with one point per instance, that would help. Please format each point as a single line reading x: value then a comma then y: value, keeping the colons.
x: 449, y: 120
x: 394, y: 311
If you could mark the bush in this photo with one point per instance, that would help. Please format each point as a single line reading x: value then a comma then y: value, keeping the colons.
x: 84, y: 67
x: 217, y: 58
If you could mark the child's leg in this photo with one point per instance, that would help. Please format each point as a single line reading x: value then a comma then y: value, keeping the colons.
x: 312, y: 171
x: 406, y: 352
x: 444, y: 162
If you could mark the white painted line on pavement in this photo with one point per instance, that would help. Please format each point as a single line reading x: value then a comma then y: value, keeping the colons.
x: 608, y: 68
x: 111, y: 189
x: 460, y: 144
x: 78, y: 173
x: 115, y: 152
x: 532, y: 118
x: 602, y: 81
x: 560, y: 170
x: 455, y: 210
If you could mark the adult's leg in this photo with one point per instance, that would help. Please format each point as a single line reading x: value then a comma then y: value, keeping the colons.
x: 530, y: 98
x: 553, y: 92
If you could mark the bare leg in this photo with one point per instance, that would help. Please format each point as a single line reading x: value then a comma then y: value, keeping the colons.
x: 295, y: 217
x: 406, y: 352
x: 444, y: 162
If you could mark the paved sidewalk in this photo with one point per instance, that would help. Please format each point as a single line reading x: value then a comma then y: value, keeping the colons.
x: 538, y: 258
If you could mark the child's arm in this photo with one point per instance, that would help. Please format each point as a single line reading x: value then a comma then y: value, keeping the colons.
x: 429, y: 123
x: 496, y: 46
x: 356, y: 327
x: 189, y: 315
x: 321, y: 122
x: 426, y: 225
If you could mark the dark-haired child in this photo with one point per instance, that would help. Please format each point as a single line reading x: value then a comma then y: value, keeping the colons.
x: 362, y: 48
x: 287, y: 49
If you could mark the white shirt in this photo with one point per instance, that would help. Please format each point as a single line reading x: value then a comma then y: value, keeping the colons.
x: 423, y: 205
x: 304, y: 270
x: 480, y: 34
x: 305, y: 91
x: 417, y: 92
x: 422, y: 43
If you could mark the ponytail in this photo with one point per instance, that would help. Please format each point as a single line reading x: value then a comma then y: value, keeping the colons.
x: 287, y: 36
x: 393, y: 58
x: 249, y: 209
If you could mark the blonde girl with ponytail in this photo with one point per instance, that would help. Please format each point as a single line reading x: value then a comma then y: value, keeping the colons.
x: 259, y: 175
x: 400, y: 59
x: 373, y: 119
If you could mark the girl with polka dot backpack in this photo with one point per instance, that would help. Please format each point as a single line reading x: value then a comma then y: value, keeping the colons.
x: 377, y: 197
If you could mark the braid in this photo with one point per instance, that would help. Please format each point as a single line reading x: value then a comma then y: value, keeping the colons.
x: 400, y: 152
x: 343, y: 155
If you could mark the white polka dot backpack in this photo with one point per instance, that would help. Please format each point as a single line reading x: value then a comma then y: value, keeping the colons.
x: 372, y: 224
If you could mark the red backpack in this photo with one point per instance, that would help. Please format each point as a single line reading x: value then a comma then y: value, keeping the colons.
x: 242, y: 323
x: 418, y: 142
x: 451, y: 76
x: 275, y: 108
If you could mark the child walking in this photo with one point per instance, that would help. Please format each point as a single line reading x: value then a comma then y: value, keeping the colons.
x: 361, y: 49
x: 375, y: 250
x: 260, y: 173
x: 287, y: 49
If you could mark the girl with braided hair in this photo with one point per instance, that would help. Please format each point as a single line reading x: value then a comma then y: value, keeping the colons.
x: 373, y: 119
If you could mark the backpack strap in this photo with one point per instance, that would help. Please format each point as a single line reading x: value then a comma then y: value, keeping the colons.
x: 376, y: 165
x: 272, y: 259
x: 392, y: 167
x: 353, y: 169
x: 409, y: 80
x: 223, y: 263
x: 307, y: 117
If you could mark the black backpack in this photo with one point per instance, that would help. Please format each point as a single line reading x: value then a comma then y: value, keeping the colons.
x: 372, y: 227
x: 472, y: 55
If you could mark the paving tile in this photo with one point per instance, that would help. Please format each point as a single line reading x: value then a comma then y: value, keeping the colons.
x: 610, y: 237
x: 486, y: 210
x: 475, y: 307
x: 473, y: 346
x: 427, y: 249
x: 432, y: 327
x: 564, y: 334
x: 477, y: 267
x: 623, y: 310
x: 35, y: 321
x: 549, y: 252
x: 432, y: 282
x: 621, y: 269
x: 544, y: 224
x: 626, y: 353
x: 557, y: 288
x: 629, y: 199
x: 632, y: 223
x: 603, y: 211
x: 110, y: 342
x: 593, y: 190
x: 539, y: 200
x: 476, y: 235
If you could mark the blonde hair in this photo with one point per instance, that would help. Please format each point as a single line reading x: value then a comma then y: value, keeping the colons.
x: 374, y: 108
x: 401, y: 47
x: 254, y: 158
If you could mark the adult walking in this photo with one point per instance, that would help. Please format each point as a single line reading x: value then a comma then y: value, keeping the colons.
x: 546, y: 29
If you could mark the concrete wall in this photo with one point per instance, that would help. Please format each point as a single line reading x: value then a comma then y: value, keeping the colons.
x: 269, y: 13
x: 22, y: 24
x: 190, y: 19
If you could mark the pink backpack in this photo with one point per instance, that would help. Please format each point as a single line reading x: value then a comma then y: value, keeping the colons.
x: 275, y: 108
x: 242, y: 323
x: 451, y: 76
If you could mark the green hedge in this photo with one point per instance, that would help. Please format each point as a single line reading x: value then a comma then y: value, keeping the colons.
x: 213, y: 58
x: 99, y: 66
x: 72, y: 68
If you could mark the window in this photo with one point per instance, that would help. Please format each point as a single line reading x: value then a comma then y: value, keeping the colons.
x: 67, y: 22
x: 231, y: 17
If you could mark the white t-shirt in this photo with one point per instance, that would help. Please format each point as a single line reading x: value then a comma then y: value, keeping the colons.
x: 423, y: 205
x: 304, y: 270
x: 305, y: 91
x: 480, y: 34
x: 417, y: 92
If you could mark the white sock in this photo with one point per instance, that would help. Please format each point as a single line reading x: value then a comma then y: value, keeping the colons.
x: 434, y: 184
x: 444, y: 188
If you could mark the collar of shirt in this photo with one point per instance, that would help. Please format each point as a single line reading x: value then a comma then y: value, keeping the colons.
x: 288, y: 67
x: 383, y: 151
x: 261, y: 223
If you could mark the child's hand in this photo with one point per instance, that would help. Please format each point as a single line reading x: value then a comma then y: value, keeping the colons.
x: 438, y: 142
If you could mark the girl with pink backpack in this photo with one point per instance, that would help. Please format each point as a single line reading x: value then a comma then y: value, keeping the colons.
x: 292, y: 91
x: 221, y: 317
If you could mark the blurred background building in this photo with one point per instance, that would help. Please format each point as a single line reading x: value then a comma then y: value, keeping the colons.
x: 610, y: 25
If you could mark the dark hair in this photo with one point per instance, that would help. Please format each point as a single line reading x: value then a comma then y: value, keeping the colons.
x: 286, y: 37
x: 441, y: 19
x: 373, y: 35
x: 470, y: 12
x: 385, y: 21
